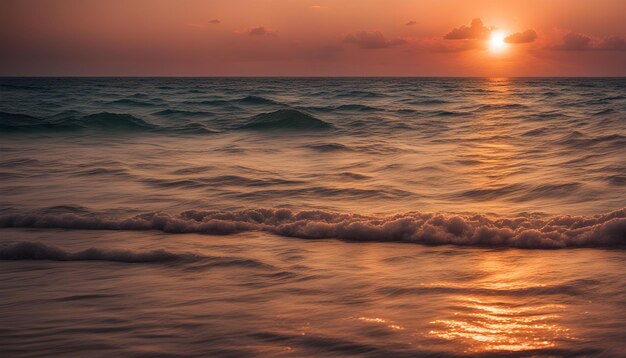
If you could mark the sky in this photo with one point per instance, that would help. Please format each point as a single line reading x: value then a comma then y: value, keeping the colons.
x: 312, y: 38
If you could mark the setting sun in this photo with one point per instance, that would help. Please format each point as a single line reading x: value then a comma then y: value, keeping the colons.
x: 496, y: 42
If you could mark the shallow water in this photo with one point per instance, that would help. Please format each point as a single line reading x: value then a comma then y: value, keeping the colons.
x: 260, y: 294
x: 167, y: 216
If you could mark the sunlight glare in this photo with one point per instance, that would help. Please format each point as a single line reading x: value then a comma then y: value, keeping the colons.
x: 496, y: 42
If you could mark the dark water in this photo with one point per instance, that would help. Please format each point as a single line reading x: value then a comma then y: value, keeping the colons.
x: 167, y: 216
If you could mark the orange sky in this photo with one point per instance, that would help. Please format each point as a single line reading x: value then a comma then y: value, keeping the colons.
x: 311, y: 38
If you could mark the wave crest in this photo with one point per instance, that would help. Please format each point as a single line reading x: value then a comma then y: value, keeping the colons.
x: 38, y: 251
x: 285, y: 119
x: 529, y: 231
x: 115, y: 121
x: 27, y: 250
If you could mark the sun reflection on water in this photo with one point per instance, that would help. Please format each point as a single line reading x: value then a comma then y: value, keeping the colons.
x: 483, y: 326
x: 381, y: 321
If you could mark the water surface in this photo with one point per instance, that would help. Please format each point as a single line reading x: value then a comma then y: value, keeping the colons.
x: 348, y: 216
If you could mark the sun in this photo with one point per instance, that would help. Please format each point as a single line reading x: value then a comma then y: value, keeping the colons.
x: 496, y: 42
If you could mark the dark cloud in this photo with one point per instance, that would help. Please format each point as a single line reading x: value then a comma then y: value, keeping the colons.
x: 411, y: 23
x: 261, y: 31
x: 525, y: 37
x: 215, y: 21
x: 372, y: 40
x: 476, y: 31
x: 613, y: 43
x: 580, y: 42
x: 574, y: 42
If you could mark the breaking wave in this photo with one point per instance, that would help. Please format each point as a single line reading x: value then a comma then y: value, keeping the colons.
x: 528, y: 231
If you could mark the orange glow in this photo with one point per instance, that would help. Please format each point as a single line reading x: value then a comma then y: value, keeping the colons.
x: 294, y: 38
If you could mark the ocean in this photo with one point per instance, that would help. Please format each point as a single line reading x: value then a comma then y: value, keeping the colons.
x: 313, y: 216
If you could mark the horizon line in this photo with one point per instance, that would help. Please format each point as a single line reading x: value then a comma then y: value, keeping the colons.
x: 298, y: 76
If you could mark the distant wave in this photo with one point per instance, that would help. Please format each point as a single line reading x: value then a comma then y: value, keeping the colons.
x: 359, y: 94
x: 427, y: 101
x: 503, y: 106
x: 17, y: 122
x: 27, y: 250
x: 256, y: 100
x: 285, y: 119
x: 443, y: 113
x: 100, y: 122
x: 175, y: 113
x: 529, y: 231
x: 353, y: 107
x: 112, y: 121
x: 131, y: 103
x: 579, y: 140
x: 357, y: 107
x: 328, y: 147
x: 13, y: 122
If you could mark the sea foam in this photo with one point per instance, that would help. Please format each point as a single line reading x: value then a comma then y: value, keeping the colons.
x: 530, y: 231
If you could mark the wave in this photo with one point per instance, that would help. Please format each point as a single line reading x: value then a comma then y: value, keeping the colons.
x: 27, y: 250
x: 427, y: 102
x: 501, y: 106
x: 361, y: 94
x: 175, y: 113
x: 443, y: 113
x: 527, y: 231
x: 604, y: 112
x: 115, y: 121
x: 208, y: 102
x: 328, y: 147
x: 285, y: 119
x: 189, y: 128
x: 39, y: 251
x: 522, y: 192
x: 535, y: 132
x: 102, y: 122
x: 357, y: 107
x: 17, y: 122
x: 228, y: 180
x: 344, y: 107
x: 130, y: 103
x: 256, y: 100
x: 9, y: 87
x: 577, y: 139
x: 13, y: 122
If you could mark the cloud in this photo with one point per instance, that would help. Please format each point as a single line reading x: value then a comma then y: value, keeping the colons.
x: 215, y: 21
x: 411, y: 23
x: 581, y: 42
x: 574, y: 42
x: 261, y: 31
x: 476, y: 31
x: 372, y: 40
x: 613, y: 43
x: 525, y: 37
